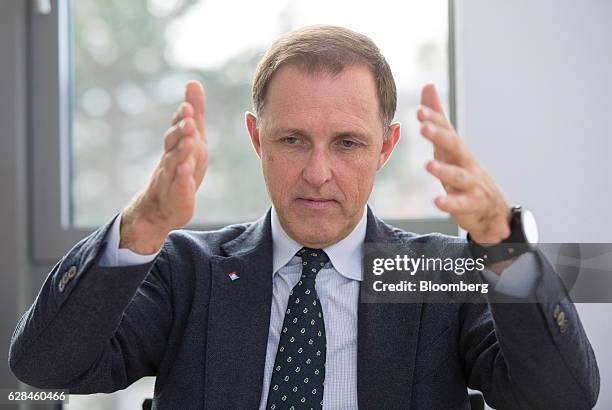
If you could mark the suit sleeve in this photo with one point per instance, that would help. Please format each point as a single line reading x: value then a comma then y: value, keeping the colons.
x: 530, y: 353
x: 92, y: 328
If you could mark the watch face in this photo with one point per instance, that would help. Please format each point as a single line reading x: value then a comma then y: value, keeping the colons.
x: 530, y: 228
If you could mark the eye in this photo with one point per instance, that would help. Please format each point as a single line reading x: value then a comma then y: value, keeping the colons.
x: 348, y: 144
x: 290, y: 140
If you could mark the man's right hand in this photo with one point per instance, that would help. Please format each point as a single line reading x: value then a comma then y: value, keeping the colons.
x: 168, y: 201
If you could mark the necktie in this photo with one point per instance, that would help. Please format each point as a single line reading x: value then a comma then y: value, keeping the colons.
x: 299, y: 368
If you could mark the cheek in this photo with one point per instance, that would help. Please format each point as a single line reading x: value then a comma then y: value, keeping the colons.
x: 279, y: 174
x: 356, y: 177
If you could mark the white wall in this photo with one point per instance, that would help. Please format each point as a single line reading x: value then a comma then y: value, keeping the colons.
x: 535, y: 104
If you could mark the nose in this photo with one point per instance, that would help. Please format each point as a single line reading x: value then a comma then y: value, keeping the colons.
x: 318, y: 168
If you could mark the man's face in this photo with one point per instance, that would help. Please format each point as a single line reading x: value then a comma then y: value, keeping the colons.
x: 320, y: 140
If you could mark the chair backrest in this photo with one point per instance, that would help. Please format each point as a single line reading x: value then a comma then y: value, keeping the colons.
x: 146, y: 404
x: 476, y: 401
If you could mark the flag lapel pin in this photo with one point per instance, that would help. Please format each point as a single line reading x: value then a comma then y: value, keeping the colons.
x: 233, y: 276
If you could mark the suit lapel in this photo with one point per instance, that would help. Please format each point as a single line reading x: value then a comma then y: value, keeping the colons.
x: 386, y: 341
x: 239, y: 319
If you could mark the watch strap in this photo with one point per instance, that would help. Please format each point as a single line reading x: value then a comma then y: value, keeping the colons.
x: 511, y: 247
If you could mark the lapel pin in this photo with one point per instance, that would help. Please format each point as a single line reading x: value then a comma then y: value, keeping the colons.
x: 233, y: 276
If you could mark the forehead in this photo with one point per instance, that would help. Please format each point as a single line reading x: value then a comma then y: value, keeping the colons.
x: 323, y: 101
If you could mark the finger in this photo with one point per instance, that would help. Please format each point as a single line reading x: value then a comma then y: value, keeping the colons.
x: 454, y: 203
x: 430, y: 98
x: 182, y: 152
x: 174, y: 134
x: 184, y: 110
x: 192, y: 143
x: 172, y: 137
x: 448, y: 143
x: 451, y: 175
x: 184, y: 187
x: 194, y: 94
x: 425, y: 113
x: 201, y: 161
x: 183, y: 183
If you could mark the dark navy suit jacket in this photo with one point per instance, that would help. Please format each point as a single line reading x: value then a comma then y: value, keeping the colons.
x: 94, y: 329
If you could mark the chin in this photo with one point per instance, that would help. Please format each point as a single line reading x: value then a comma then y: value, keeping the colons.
x: 313, y: 227
x: 310, y: 235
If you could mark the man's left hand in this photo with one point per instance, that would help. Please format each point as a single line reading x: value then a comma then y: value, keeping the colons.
x: 472, y: 198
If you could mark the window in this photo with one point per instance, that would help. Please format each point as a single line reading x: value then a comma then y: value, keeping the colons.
x: 124, y: 65
x: 106, y: 76
x: 118, y: 70
x: 131, y: 60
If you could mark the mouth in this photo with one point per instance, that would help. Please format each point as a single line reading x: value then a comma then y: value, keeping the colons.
x: 316, y: 203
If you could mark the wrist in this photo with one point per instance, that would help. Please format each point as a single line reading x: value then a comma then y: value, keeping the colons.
x: 497, y: 229
x: 523, y: 237
x: 139, y: 234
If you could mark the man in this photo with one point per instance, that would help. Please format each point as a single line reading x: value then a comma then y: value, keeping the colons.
x: 267, y: 314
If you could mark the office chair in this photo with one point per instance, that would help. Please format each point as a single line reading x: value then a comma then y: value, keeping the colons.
x: 476, y: 401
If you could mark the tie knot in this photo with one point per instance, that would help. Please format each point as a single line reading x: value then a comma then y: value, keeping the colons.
x: 312, y: 261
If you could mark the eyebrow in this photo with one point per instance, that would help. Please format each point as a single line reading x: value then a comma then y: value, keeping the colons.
x: 345, y: 133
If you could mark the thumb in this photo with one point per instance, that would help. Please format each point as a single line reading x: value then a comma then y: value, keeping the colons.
x: 430, y: 98
x: 194, y: 94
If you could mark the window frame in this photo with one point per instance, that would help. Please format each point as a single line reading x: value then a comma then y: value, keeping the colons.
x: 50, y: 131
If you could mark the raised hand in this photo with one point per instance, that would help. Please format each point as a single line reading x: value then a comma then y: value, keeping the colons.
x: 168, y: 201
x: 472, y: 199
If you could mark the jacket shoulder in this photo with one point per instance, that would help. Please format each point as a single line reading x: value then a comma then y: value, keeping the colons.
x: 203, y: 242
x: 433, y: 238
x: 432, y: 244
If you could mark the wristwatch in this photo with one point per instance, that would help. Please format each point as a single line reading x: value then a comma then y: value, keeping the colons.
x: 523, y: 238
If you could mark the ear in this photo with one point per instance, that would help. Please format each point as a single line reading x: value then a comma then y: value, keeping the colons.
x: 389, y: 143
x: 251, y: 124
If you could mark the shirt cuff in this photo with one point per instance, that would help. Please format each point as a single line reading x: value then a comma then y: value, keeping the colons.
x: 518, y: 279
x: 114, y: 257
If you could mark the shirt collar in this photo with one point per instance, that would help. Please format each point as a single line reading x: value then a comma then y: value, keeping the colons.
x: 346, y: 256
